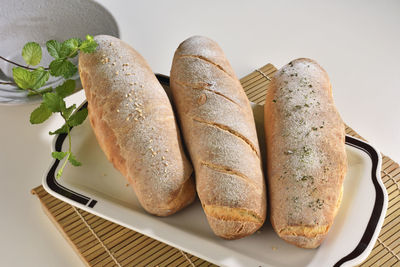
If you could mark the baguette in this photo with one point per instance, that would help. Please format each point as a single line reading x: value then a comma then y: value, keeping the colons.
x: 220, y: 134
x: 306, y: 157
x: 135, y: 126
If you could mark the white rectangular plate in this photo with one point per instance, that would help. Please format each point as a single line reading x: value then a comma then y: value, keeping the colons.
x: 98, y: 188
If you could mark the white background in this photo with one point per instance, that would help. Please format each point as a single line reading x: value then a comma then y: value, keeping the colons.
x: 357, y: 42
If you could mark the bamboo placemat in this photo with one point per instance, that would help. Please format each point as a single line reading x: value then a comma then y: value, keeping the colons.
x: 102, y: 243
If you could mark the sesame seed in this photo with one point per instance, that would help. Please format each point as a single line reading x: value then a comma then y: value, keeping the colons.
x: 116, y: 73
x: 117, y: 110
x: 127, y: 118
x: 135, y: 119
x: 141, y: 86
x: 126, y: 104
x: 113, y: 64
x: 125, y: 64
x: 166, y: 163
x: 163, y: 157
x: 151, y: 140
x: 131, y: 84
x: 166, y: 150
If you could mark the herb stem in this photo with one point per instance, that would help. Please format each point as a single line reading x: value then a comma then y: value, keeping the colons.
x: 9, y: 83
x: 40, y: 92
x: 19, y: 65
x: 72, y: 53
x: 69, y: 148
x: 69, y: 138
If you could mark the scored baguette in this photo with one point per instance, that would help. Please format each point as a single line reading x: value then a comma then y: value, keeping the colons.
x: 219, y: 131
x: 135, y: 126
x: 306, y: 157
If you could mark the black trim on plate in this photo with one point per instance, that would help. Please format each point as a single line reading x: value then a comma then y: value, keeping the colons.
x: 163, y: 79
x: 52, y: 180
x: 378, y: 206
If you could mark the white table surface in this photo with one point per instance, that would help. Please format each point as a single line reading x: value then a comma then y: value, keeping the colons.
x: 357, y: 42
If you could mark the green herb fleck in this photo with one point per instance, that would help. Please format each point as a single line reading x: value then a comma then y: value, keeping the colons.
x: 307, y: 177
x: 297, y: 107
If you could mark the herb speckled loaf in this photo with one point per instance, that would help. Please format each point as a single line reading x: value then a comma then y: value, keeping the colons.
x: 306, y: 157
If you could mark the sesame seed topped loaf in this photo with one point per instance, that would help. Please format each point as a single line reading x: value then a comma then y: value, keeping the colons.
x: 306, y: 158
x: 219, y: 131
x: 135, y: 126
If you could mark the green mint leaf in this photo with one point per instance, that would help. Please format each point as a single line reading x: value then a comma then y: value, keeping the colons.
x: 63, y: 129
x: 39, y: 78
x: 59, y: 155
x: 22, y: 77
x: 70, y: 47
x: 54, y: 48
x: 67, y: 113
x: 89, y: 38
x: 65, y: 89
x: 89, y: 45
x: 26, y: 79
x: 32, y: 53
x: 62, y: 67
x: 54, y: 102
x: 40, y: 114
x: 78, y: 117
x: 73, y: 160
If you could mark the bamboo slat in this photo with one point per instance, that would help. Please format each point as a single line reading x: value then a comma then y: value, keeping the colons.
x: 103, y: 243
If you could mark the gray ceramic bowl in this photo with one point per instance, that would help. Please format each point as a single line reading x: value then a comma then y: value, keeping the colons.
x: 24, y: 21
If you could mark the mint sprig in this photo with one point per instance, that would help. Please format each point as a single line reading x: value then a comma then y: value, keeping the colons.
x: 33, y: 80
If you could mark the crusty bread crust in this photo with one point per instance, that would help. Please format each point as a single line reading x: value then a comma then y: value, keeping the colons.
x: 306, y: 157
x: 219, y: 131
x: 134, y: 124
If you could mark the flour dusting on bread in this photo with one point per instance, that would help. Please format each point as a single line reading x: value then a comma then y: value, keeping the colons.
x: 126, y: 101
